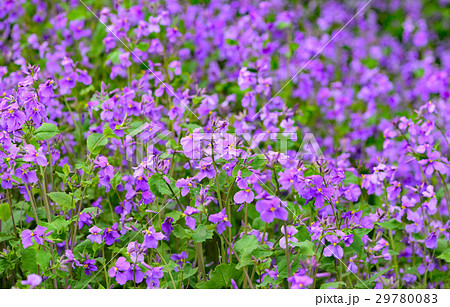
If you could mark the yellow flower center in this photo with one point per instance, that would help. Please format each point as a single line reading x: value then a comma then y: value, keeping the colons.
x: 272, y: 209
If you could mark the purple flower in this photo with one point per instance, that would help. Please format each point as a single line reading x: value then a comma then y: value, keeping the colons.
x: 299, y: 281
x: 151, y: 237
x: 167, y: 227
x: 37, y: 157
x: 110, y: 234
x: 333, y: 249
x: 221, y: 220
x: 352, y: 267
x: 318, y: 191
x: 191, y: 144
x: 206, y: 169
x: 180, y: 259
x: 85, y: 219
x: 14, y: 117
x: 27, y: 175
x: 431, y: 241
x: 185, y: 185
x: 164, y: 88
x: 245, y: 195
x: 95, y: 235
x: 28, y: 236
x: 291, y: 231
x: 135, y: 274
x: 153, y: 275
x: 120, y: 271
x: 89, y: 266
x: 190, y: 221
x: 33, y: 280
x: 71, y: 258
x: 271, y: 207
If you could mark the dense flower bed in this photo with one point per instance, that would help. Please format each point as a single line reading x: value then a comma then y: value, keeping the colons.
x: 224, y: 144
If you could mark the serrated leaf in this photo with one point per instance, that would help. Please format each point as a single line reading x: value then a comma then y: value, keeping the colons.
x: 66, y: 201
x: 158, y: 185
x: 221, y: 276
x: 201, y: 234
x: 179, y: 232
x: 43, y: 258
x: 45, y: 132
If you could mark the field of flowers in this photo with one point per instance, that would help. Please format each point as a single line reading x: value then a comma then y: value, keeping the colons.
x: 224, y: 144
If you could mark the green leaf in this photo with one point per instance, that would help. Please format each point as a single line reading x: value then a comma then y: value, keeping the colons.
x: 158, y: 185
x: 306, y: 247
x: 58, y: 225
x: 3, y: 265
x: 221, y: 276
x: 115, y: 181
x: 357, y: 245
x: 350, y: 178
x: 232, y: 42
x: 5, y: 213
x: 96, y: 142
x: 29, y: 263
x: 179, y: 232
x: 43, y: 258
x: 334, y: 285
x: 370, y: 63
x: 108, y: 132
x: 142, y: 46
x: 201, y: 234
x: 445, y: 255
x: 46, y: 132
x: 262, y: 253
x: 77, y: 13
x: 370, y: 282
x: 391, y: 225
x: 175, y: 215
x: 66, y: 201
x: 244, y: 247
